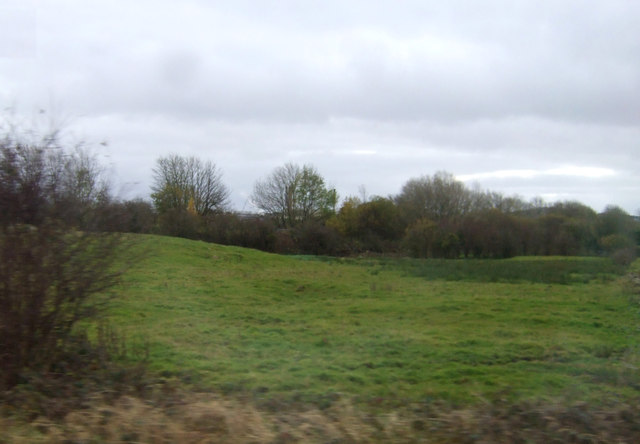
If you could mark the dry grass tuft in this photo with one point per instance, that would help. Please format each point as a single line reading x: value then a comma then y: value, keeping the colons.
x: 207, y: 418
x: 130, y: 419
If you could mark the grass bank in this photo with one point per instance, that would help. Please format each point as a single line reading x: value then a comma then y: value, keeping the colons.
x: 245, y: 346
x: 385, y: 331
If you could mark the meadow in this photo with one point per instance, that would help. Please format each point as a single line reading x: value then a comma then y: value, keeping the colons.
x: 242, y: 346
x: 381, y: 332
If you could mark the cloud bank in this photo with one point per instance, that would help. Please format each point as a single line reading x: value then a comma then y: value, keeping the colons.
x: 531, y: 97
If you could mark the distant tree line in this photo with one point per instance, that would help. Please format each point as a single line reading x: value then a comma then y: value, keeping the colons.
x: 432, y: 217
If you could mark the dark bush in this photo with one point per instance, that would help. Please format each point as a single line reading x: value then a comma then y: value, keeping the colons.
x: 284, y: 243
x: 130, y: 216
x: 180, y: 223
x: 316, y: 238
x: 244, y: 230
x: 54, y: 271
x: 51, y: 279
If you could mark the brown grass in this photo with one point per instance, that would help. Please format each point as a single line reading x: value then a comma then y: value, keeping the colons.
x: 172, y: 416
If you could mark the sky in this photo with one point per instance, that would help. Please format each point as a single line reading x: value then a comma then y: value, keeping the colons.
x: 535, y: 98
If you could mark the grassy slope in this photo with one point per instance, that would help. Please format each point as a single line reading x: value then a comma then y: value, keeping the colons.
x: 245, y: 321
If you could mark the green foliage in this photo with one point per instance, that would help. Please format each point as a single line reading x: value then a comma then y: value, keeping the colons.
x: 374, y: 225
x: 613, y: 242
x: 313, y: 199
x: 619, y: 235
x: 378, y: 217
x: 294, y: 195
x: 614, y: 220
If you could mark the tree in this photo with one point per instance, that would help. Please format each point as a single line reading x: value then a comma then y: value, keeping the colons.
x: 614, y: 220
x: 438, y: 198
x: 81, y: 188
x: 578, y: 232
x: 378, y: 219
x: 346, y: 220
x: 618, y: 233
x: 294, y: 195
x: 40, y: 180
x: 54, y: 271
x: 187, y: 183
x: 421, y: 237
x: 491, y: 233
x: 374, y: 225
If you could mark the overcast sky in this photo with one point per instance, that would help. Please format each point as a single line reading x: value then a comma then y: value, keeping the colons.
x: 535, y: 98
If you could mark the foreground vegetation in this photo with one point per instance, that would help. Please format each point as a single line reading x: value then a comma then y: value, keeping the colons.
x: 224, y: 344
x: 352, y: 341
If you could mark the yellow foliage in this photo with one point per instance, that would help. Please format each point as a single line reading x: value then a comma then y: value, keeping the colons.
x: 191, y: 206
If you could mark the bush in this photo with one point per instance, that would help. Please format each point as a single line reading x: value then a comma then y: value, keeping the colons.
x: 52, y: 275
x: 615, y: 242
x: 283, y: 242
x: 316, y: 238
x: 51, y: 279
x: 131, y: 216
x: 624, y: 256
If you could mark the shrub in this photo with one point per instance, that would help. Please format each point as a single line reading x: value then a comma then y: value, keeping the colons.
x: 52, y: 274
x: 615, y: 242
x: 316, y: 238
x: 624, y: 256
x: 51, y: 279
x: 284, y: 242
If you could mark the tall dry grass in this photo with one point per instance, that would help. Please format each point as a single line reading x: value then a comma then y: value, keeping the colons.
x: 192, y: 418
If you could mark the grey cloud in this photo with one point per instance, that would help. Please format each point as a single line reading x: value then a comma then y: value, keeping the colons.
x: 528, y: 67
x: 350, y: 153
x: 372, y: 92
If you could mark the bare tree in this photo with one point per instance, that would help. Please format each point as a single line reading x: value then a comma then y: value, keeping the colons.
x: 294, y: 195
x: 188, y: 184
x: 40, y: 179
x: 54, y: 271
x: 439, y: 198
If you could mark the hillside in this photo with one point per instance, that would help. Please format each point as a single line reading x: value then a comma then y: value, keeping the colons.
x: 245, y: 322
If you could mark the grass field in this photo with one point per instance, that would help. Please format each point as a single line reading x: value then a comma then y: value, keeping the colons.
x: 382, y: 332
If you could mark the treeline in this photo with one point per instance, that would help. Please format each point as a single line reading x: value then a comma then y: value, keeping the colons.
x: 432, y: 217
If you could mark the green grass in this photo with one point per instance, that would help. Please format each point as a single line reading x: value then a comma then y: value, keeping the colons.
x: 382, y: 331
x: 543, y: 269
